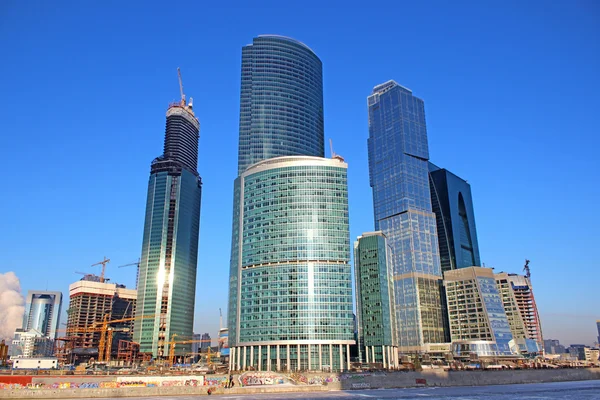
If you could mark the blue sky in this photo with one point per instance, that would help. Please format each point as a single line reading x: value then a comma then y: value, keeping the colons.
x: 511, y: 98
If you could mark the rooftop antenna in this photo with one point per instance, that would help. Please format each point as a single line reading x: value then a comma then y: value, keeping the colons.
x: 526, y: 269
x: 331, y: 148
x: 181, y: 87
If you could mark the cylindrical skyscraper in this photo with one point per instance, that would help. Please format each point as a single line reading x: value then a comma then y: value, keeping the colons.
x: 294, y: 300
x: 167, y: 276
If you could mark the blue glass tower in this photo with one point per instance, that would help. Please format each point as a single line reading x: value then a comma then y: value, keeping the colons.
x: 42, y: 312
x: 453, y: 207
x: 167, y: 275
x: 398, y: 173
x: 281, y: 101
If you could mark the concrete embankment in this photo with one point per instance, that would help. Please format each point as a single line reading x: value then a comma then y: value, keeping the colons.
x: 333, y: 382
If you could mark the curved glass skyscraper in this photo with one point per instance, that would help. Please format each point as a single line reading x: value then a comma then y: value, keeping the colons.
x: 167, y: 276
x: 281, y: 101
x: 290, y: 295
x: 294, y: 297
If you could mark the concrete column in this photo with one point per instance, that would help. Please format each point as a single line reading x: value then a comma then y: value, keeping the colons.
x: 238, y: 365
x: 251, y: 356
x: 366, y: 354
x: 309, y: 357
x: 269, y: 357
x: 348, y: 356
x: 288, y: 358
x: 373, y: 354
x: 299, y: 359
x: 231, y: 358
x: 320, y: 358
x: 245, y: 353
x: 341, y: 358
x: 259, y: 357
x: 383, y: 355
x: 331, y: 357
x: 278, y: 360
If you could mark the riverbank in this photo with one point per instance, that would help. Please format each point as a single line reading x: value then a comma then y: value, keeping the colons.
x: 267, y: 382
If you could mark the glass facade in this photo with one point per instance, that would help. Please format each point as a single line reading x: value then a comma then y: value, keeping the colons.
x: 374, y: 298
x: 167, y: 277
x: 42, y: 312
x: 291, y: 294
x: 475, y: 310
x: 281, y: 101
x: 453, y: 207
x: 398, y: 173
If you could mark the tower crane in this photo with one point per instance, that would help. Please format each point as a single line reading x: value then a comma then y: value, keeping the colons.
x: 181, y: 87
x: 174, y: 342
x: 105, y: 345
x: 526, y: 269
x: 137, y: 276
x: 103, y: 263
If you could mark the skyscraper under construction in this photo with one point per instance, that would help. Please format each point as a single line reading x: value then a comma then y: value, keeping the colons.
x: 167, y: 278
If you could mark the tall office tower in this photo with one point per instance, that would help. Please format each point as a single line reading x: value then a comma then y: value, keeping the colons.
x: 374, y: 281
x: 598, y: 327
x: 398, y: 173
x: 281, y: 101
x: 521, y: 310
x: 89, y: 301
x: 167, y: 275
x: 453, y: 207
x: 42, y: 312
x: 293, y: 297
x: 478, y: 323
x: 281, y: 115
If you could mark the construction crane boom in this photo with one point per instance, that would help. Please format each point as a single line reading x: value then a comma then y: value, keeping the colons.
x: 105, y: 345
x: 137, y: 276
x: 181, y: 87
x: 103, y: 263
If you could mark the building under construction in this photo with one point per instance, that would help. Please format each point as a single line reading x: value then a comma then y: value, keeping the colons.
x: 92, y: 300
x: 518, y: 301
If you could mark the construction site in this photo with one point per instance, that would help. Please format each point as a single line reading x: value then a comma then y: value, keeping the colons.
x: 99, y: 330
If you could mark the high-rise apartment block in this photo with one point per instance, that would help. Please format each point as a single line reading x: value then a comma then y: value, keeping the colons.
x: 518, y: 302
x: 453, y: 207
x: 89, y: 302
x: 399, y: 176
x: 374, y: 281
x: 42, y: 312
x: 167, y: 274
x: 478, y: 323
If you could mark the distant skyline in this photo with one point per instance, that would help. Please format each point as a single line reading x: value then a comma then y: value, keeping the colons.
x: 511, y: 105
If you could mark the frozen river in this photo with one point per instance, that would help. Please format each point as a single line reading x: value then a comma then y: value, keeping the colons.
x: 583, y: 390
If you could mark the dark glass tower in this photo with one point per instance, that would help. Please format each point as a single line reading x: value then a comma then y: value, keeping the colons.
x: 281, y: 101
x: 453, y: 207
x: 398, y: 172
x: 167, y: 277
